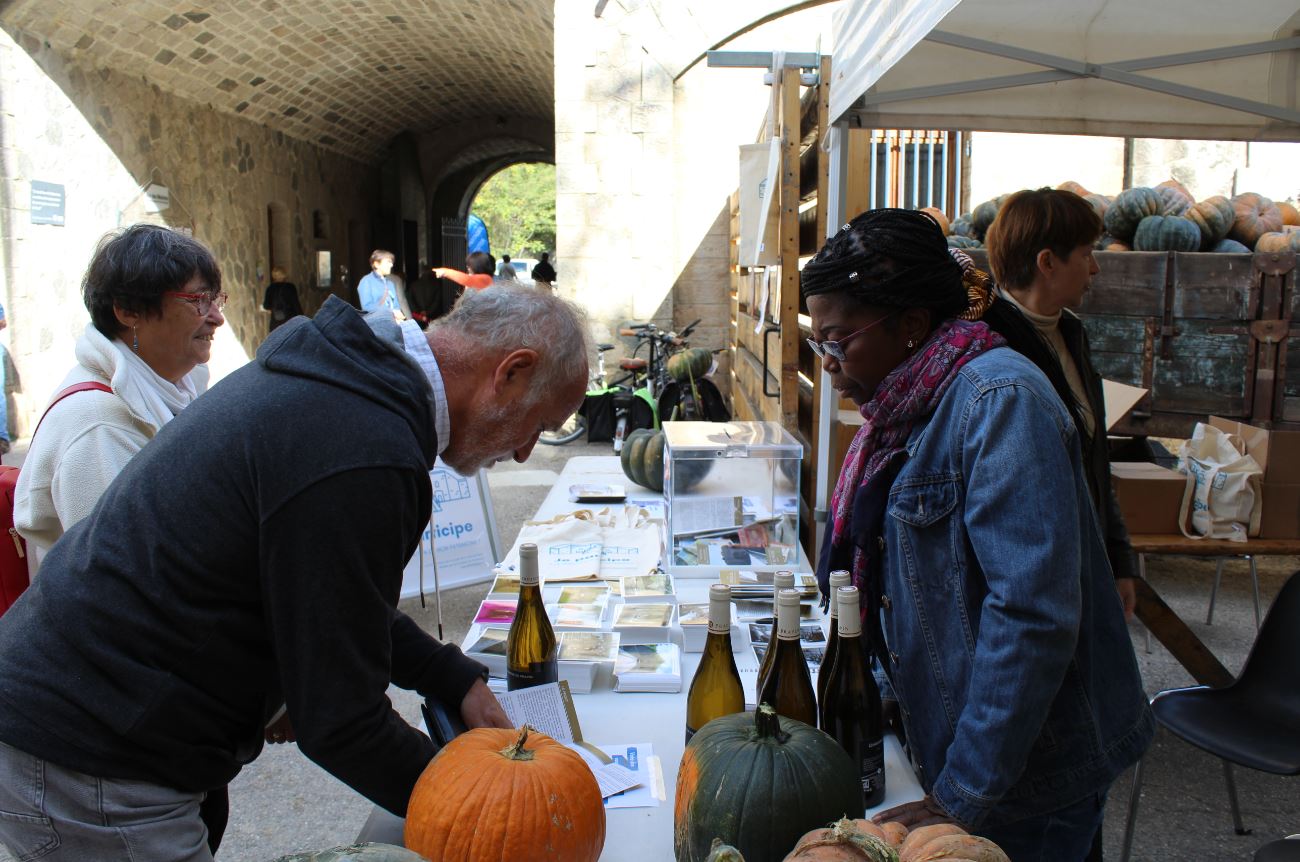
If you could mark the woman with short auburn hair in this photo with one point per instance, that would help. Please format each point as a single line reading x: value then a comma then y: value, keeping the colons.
x: 1041, y: 253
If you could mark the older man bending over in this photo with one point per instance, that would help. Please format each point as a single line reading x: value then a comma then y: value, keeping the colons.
x: 252, y: 555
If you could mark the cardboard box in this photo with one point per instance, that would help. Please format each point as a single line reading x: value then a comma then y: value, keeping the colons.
x: 1150, y: 496
x: 1276, y: 452
x: 1280, y: 517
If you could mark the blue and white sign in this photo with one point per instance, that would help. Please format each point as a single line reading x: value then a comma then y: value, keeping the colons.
x: 48, y: 203
x: 462, y: 539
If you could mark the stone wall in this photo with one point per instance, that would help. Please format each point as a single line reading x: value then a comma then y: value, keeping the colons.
x: 103, y: 135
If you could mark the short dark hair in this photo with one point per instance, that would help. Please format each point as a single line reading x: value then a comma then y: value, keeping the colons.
x: 133, y: 268
x: 546, y: 255
x: 380, y: 254
x: 481, y: 263
x: 1030, y: 221
x: 505, y: 258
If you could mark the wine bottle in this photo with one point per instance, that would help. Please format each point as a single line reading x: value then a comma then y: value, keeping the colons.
x: 780, y: 581
x: 851, y: 714
x: 531, y: 645
x: 789, y: 687
x: 839, y: 578
x: 715, y: 690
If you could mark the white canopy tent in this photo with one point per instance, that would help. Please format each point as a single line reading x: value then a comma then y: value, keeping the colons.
x: 1140, y: 68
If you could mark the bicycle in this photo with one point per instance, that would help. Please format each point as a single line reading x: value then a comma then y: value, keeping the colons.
x: 647, y: 393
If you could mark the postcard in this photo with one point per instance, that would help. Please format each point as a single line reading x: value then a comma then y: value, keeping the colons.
x: 584, y: 595
x: 576, y: 616
x: 588, y: 646
x: 495, y: 613
x: 644, y: 615
x: 505, y: 585
x: 662, y: 659
x: 655, y: 585
x: 693, y: 614
x: 491, y: 641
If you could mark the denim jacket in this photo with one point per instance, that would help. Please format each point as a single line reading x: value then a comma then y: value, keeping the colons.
x: 1004, y: 640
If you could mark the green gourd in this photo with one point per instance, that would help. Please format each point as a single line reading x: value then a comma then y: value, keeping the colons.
x: 962, y: 226
x: 367, y: 852
x: 1128, y: 209
x: 1214, y: 217
x: 1166, y: 233
x: 984, y: 215
x: 759, y: 781
x: 1174, y: 200
x: 690, y: 364
x: 959, y: 241
x: 631, y: 458
x: 1229, y: 246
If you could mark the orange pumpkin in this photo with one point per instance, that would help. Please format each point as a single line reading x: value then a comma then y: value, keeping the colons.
x: 1256, y: 215
x: 1072, y: 186
x: 1290, y: 215
x: 1276, y: 242
x: 529, y: 798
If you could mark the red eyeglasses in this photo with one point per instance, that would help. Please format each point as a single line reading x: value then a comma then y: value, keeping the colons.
x: 201, y: 302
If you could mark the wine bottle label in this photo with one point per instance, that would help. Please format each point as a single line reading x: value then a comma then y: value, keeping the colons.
x: 872, y: 770
x: 538, y: 673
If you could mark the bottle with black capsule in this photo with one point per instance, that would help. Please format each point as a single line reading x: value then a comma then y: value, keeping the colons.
x: 851, y: 713
x: 531, y: 646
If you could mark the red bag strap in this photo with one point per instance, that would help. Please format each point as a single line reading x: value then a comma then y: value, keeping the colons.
x: 88, y: 386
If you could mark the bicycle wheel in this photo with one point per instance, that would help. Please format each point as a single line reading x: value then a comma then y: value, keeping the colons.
x: 573, y: 428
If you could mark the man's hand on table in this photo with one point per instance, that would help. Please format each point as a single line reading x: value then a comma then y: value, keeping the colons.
x: 1127, y: 595
x: 480, y: 708
x: 915, y: 814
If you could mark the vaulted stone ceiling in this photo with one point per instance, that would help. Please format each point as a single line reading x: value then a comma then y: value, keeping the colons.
x: 347, y: 75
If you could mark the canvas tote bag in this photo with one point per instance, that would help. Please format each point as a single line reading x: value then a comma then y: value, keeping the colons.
x: 1222, y: 500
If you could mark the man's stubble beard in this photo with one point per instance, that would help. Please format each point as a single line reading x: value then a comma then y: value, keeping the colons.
x: 487, y: 438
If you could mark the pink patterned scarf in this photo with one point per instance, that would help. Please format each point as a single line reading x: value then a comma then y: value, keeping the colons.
x: 910, y: 392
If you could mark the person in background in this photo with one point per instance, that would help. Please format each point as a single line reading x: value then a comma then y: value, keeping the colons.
x: 225, y: 573
x: 544, y: 273
x: 1040, y: 251
x: 425, y: 297
x: 506, y: 272
x: 480, y: 266
x: 376, y: 290
x: 281, y: 300
x: 963, y: 513
x: 4, y: 392
x: 155, y: 300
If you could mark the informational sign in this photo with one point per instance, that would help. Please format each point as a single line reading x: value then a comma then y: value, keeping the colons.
x: 48, y: 203
x: 463, y: 539
x: 159, y: 197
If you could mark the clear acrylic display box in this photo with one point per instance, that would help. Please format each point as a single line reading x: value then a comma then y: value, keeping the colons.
x: 733, y: 497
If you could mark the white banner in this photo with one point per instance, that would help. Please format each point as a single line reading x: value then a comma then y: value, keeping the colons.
x: 464, y: 534
x: 760, y: 169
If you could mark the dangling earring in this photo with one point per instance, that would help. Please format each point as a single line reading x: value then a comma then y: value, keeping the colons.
x: 911, y: 343
x: 135, y: 339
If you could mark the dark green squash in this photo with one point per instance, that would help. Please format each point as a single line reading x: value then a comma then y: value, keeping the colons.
x: 1128, y: 209
x: 1229, y: 246
x: 690, y: 364
x: 759, y: 782
x: 1214, y: 216
x: 983, y: 216
x: 959, y: 241
x: 631, y: 458
x: 962, y: 226
x: 1174, y: 200
x: 367, y: 852
x: 1167, y: 233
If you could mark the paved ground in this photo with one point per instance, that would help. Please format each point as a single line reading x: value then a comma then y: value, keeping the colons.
x: 284, y: 803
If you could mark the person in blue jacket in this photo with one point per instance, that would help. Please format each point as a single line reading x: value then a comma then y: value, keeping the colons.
x: 376, y: 290
x: 964, y: 515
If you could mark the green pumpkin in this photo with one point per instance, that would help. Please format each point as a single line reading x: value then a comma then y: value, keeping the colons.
x: 758, y: 782
x: 962, y: 226
x: 356, y: 853
x: 1229, y: 246
x: 652, y: 461
x: 690, y: 364
x: 1214, y: 216
x: 632, y: 454
x: 959, y: 241
x: 1128, y: 209
x: 1173, y: 200
x: 1167, y: 233
x: 719, y: 852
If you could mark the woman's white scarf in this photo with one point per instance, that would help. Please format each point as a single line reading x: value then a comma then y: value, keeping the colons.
x: 150, y: 397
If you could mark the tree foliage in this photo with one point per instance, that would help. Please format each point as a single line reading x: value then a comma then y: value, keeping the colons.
x: 518, y: 207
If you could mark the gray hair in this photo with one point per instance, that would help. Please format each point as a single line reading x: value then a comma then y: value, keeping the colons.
x: 502, y: 318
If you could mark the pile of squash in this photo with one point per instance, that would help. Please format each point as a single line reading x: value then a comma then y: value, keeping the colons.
x: 1162, y: 218
x: 864, y: 841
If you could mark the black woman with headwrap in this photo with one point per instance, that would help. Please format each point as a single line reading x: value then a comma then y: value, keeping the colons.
x: 964, y: 515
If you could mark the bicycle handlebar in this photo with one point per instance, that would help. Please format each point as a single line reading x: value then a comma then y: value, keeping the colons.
x: 628, y: 331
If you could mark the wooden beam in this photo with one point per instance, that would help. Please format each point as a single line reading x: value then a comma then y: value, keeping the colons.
x: 789, y: 245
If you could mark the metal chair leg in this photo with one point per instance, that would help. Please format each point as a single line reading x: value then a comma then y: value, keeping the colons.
x: 1214, y: 591
x: 1254, y: 580
x: 1232, y: 800
x: 1134, y: 796
x: 1142, y: 573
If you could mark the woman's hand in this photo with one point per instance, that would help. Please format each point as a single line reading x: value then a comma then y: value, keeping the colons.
x: 480, y: 708
x: 437, y: 272
x: 914, y: 814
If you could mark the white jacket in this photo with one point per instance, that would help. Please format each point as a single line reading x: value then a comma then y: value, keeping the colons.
x: 85, y: 440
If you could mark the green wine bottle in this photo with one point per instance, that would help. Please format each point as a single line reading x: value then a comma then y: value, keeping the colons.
x: 715, y: 690
x: 851, y: 714
x: 789, y: 687
x: 839, y: 578
x: 780, y: 581
x: 531, y: 645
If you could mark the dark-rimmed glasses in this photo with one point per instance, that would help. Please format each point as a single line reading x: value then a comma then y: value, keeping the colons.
x: 835, y: 349
x: 201, y: 302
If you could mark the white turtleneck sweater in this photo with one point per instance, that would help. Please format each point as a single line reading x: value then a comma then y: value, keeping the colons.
x: 1050, y: 327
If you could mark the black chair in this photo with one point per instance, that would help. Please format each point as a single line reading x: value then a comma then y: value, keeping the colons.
x: 1255, y: 722
x: 1282, y: 850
